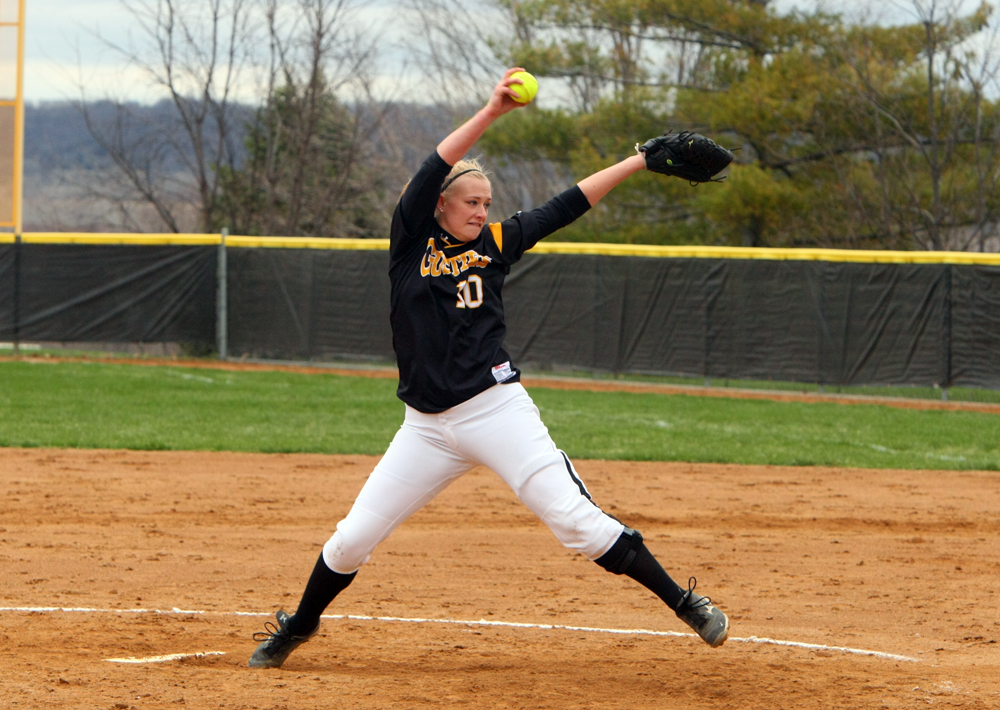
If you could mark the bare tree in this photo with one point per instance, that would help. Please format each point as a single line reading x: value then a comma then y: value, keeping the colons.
x: 982, y: 75
x: 457, y: 43
x: 936, y: 133
x: 295, y: 159
x: 194, y: 53
x: 311, y: 167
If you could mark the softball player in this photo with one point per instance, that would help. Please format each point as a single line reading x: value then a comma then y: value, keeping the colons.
x: 465, y: 405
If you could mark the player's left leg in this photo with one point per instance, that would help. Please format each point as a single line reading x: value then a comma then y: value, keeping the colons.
x: 544, y: 479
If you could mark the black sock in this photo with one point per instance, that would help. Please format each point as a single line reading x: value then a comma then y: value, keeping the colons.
x: 324, y: 584
x: 630, y: 556
x: 648, y: 572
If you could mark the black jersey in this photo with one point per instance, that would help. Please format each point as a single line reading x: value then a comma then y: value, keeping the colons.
x: 446, y: 308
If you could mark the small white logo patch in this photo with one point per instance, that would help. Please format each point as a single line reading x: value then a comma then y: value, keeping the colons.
x: 502, y: 372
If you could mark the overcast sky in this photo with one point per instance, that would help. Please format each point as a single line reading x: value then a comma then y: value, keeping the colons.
x: 63, y: 51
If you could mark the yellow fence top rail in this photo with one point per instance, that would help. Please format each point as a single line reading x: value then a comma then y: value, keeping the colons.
x: 308, y: 243
x: 707, y: 252
x: 119, y: 239
x: 634, y: 250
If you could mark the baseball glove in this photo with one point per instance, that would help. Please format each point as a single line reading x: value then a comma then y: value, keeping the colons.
x: 686, y: 155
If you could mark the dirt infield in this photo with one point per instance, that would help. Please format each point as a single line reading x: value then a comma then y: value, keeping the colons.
x: 896, y: 562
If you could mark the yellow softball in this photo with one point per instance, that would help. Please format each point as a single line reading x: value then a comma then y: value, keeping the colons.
x: 526, y: 91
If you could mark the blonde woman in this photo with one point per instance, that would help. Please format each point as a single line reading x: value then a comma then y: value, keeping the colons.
x: 464, y: 403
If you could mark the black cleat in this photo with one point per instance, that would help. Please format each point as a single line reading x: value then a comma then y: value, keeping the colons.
x: 276, y: 643
x: 697, y: 612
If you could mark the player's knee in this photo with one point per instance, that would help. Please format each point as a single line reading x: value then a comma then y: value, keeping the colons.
x: 580, y: 525
x: 344, y: 556
x: 549, y: 481
x: 622, y: 554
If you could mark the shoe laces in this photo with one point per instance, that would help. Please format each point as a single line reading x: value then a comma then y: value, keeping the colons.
x: 271, y: 630
x: 701, y: 603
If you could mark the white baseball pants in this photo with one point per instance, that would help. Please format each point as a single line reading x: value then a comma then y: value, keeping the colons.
x: 500, y: 429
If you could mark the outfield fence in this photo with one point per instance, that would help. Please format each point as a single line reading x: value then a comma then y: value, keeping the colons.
x: 833, y: 317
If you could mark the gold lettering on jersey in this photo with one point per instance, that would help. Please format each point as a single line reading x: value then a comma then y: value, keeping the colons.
x: 436, y: 263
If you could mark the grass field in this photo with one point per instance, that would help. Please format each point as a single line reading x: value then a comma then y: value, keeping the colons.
x: 955, y: 394
x: 99, y: 405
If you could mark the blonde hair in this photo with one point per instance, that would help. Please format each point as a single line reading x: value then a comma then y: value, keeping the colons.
x: 462, y: 167
x: 470, y: 165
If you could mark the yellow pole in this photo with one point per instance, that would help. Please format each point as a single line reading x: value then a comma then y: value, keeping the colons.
x: 19, y: 126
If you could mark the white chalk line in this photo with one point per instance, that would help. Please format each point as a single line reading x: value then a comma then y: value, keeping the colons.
x: 164, y: 659
x: 481, y: 622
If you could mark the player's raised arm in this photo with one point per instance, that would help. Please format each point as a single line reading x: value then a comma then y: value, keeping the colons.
x: 601, y: 183
x: 690, y: 156
x: 460, y: 141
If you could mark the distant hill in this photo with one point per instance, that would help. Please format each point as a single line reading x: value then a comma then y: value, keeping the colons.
x: 56, y: 135
x: 63, y: 162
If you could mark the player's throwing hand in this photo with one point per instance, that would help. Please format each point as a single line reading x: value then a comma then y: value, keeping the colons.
x: 503, y: 98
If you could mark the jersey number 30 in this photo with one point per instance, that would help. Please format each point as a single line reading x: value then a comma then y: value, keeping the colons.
x: 465, y: 289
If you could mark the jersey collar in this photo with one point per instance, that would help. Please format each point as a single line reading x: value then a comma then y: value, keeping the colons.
x: 450, y: 242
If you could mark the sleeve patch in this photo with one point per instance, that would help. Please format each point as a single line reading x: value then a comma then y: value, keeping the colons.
x: 497, y: 230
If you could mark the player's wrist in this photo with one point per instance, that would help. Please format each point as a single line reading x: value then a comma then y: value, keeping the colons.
x: 637, y: 162
x: 490, y: 112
